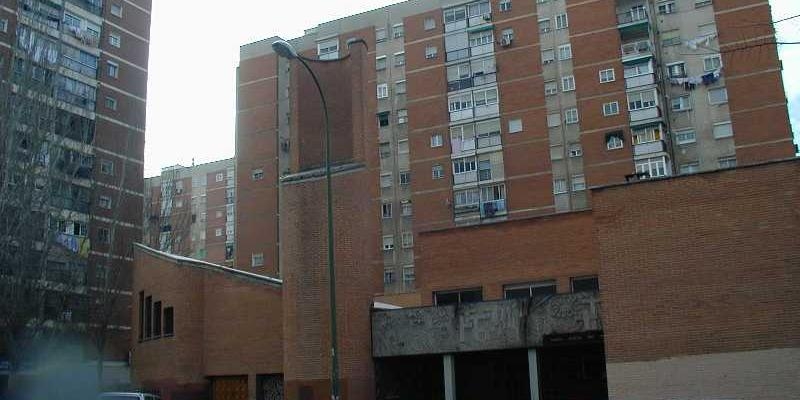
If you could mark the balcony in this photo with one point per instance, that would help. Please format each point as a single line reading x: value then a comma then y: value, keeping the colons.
x: 487, y: 109
x: 640, y: 80
x: 637, y: 50
x: 657, y: 146
x: 465, y: 177
x: 481, y: 326
x: 645, y: 114
x: 489, y: 140
x: 456, y: 55
x: 462, y: 114
x: 480, y: 19
x: 460, y: 84
x: 633, y: 23
x: 493, y: 172
x: 493, y: 208
x: 93, y: 6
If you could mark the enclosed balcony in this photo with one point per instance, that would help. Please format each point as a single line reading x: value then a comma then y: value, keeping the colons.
x: 636, y: 50
x: 648, y: 148
x: 633, y: 22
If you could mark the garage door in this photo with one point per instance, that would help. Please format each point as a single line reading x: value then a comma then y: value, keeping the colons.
x: 229, y: 388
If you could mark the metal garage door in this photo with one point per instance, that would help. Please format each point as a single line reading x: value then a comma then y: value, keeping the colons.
x: 229, y: 388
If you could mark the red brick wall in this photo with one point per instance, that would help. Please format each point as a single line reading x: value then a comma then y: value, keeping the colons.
x: 224, y: 325
x: 700, y: 264
x: 543, y: 248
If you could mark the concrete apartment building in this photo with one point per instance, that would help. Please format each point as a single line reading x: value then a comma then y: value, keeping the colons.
x: 190, y: 211
x: 93, y: 55
x: 489, y: 111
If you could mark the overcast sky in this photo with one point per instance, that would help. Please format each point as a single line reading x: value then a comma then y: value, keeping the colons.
x: 193, y: 58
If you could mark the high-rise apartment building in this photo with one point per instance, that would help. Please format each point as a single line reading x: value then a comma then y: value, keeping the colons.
x: 74, y: 76
x: 190, y: 211
x: 496, y: 110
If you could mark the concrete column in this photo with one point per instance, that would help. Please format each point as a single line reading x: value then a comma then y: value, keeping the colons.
x: 533, y: 373
x: 449, y: 378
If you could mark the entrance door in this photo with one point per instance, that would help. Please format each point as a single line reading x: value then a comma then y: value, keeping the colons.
x: 229, y: 388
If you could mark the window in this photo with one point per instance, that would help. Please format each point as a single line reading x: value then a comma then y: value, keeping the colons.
x: 676, y: 70
x: 515, y: 125
x: 681, y: 103
x: 571, y: 115
x: 383, y: 90
x: 481, y: 38
x: 104, y: 202
x: 388, y: 243
x: 548, y: 56
x: 380, y: 63
x: 400, y: 87
x: 437, y: 172
x: 544, y: 25
x: 485, y: 97
x: 386, y: 210
x: 690, y: 168
x: 114, y: 39
x: 504, y: 5
x: 103, y: 235
x: 717, y: 96
x: 550, y: 88
x: 408, y: 240
x: 638, y: 69
x: 429, y: 23
x: 568, y: 83
x: 218, y: 232
x: 526, y: 290
x: 457, y: 297
x: 646, y: 134
x: 141, y: 316
x: 399, y: 59
x: 561, y: 21
x: 107, y: 167
x: 169, y: 322
x: 672, y: 38
x: 723, y: 130
x: 257, y: 260
x: 585, y: 284
x: 553, y: 120
x: 402, y: 116
x: 642, y: 100
x: 507, y: 35
x: 653, y: 167
x: 727, y: 162
x: 380, y: 35
x: 398, y: 31
x: 113, y: 69
x: 406, y: 209
x: 328, y: 49
x: 431, y: 52
x: 388, y: 276
x: 559, y: 186
x: 4, y: 25
x: 220, y: 176
x: 685, y: 136
x: 111, y: 103
x: 437, y: 140
x: 116, y: 10
x: 464, y: 165
x: 701, y: 3
x: 607, y: 75
x: 148, y: 317
x: 614, y: 142
x: 408, y: 274
x: 386, y: 180
x: 257, y: 174
x: 565, y: 52
x: 666, y: 7
x: 578, y: 183
x: 405, y: 177
x: 712, y: 63
x: 611, y: 108
x: 383, y: 119
x: 575, y: 150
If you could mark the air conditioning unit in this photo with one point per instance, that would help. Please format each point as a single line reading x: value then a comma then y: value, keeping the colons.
x: 505, y: 42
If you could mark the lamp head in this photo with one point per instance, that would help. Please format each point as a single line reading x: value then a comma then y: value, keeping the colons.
x: 284, y: 49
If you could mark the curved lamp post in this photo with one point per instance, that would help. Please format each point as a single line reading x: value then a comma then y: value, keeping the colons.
x: 286, y: 50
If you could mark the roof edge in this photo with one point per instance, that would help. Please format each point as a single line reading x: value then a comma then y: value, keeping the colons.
x: 195, y: 263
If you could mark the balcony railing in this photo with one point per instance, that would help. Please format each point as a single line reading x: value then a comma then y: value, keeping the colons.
x: 459, y: 54
x: 644, y: 114
x: 649, y: 148
x: 465, y: 83
x: 492, y: 139
x: 636, y: 49
x: 93, y: 6
x: 633, y: 16
x: 465, y: 177
x: 493, y: 208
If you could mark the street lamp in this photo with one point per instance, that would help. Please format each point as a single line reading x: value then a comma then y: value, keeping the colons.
x: 286, y: 50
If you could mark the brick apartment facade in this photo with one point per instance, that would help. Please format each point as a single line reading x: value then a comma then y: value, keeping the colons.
x: 190, y: 211
x: 97, y: 58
